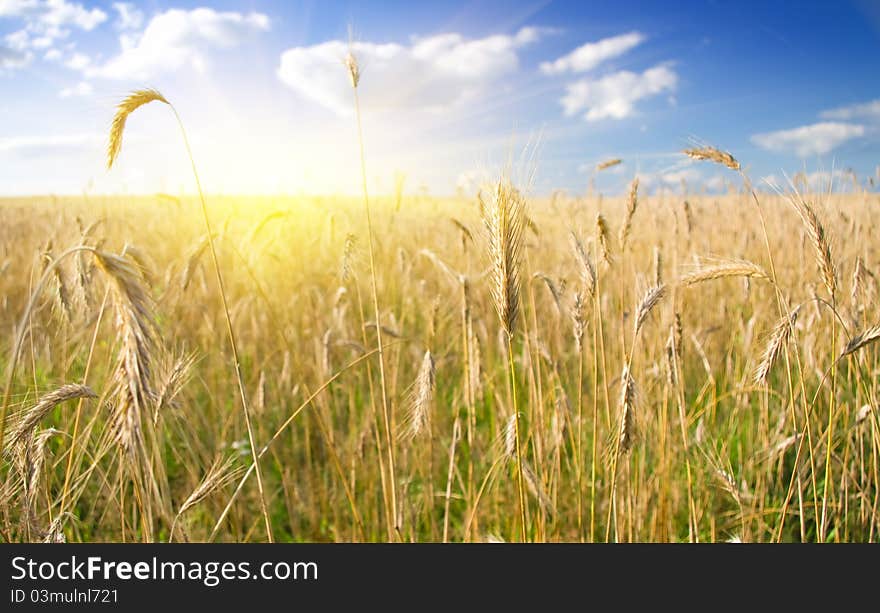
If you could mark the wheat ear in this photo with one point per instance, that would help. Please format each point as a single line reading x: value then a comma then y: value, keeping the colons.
x: 128, y: 105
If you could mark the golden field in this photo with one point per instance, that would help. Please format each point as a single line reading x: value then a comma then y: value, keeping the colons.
x: 691, y: 368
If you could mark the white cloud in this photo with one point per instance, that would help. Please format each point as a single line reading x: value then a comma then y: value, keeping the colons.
x: 47, y: 21
x: 80, y: 89
x: 52, y: 55
x: 78, y: 61
x: 13, y: 58
x: 18, y: 40
x: 60, y: 13
x: 716, y: 183
x: 614, y: 96
x: 431, y: 73
x: 52, y: 13
x: 688, y: 175
x: 130, y: 18
x: 42, y: 42
x: 672, y: 177
x: 178, y: 38
x: 867, y: 110
x: 815, y: 139
x: 17, y: 8
x: 589, y: 56
x: 823, y: 181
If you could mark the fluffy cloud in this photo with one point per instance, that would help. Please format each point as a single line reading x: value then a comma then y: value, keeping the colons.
x: 836, y: 180
x: 18, y: 41
x: 47, y: 21
x: 815, y: 139
x: 431, y: 73
x: 614, y: 96
x: 16, y: 8
x: 60, y: 13
x: 866, y: 110
x: 78, y: 61
x: 589, y: 56
x: 52, y: 13
x: 13, y: 58
x: 178, y: 38
x: 674, y: 178
x: 80, y: 89
x: 680, y: 174
x: 129, y: 17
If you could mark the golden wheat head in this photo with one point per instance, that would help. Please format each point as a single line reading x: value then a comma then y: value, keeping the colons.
x: 504, y: 217
x: 354, y: 71
x: 608, y: 164
x: 631, y: 204
x: 651, y: 299
x: 863, y: 339
x: 711, y: 154
x: 780, y: 336
x: 710, y: 269
x: 33, y: 416
x: 126, y: 107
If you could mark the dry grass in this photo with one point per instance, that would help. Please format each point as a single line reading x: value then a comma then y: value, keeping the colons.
x: 155, y: 347
x: 413, y: 382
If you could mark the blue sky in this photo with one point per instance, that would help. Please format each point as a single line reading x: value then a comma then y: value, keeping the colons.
x: 449, y: 91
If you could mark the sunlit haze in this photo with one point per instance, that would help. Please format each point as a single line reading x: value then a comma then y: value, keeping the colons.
x: 449, y: 90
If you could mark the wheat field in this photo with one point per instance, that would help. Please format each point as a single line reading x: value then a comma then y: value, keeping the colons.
x: 506, y: 367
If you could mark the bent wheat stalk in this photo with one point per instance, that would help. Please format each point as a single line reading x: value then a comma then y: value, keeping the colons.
x: 126, y: 107
x: 38, y: 412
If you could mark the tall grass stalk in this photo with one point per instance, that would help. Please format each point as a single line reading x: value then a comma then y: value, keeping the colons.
x: 354, y: 74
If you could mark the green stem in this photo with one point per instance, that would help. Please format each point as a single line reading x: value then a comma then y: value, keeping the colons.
x: 516, y: 428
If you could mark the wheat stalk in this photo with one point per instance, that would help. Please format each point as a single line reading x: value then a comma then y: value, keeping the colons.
x: 608, y: 164
x: 688, y: 217
x: 709, y: 270
x: 781, y: 333
x: 712, y: 154
x: 136, y: 328
x: 588, y: 271
x: 649, y: 300
x: 134, y: 101
x: 603, y: 235
x: 820, y: 240
x: 221, y: 473
x: 626, y: 430
x: 126, y: 107
x: 504, y: 220
x: 31, y: 418
x: 658, y: 266
x: 861, y: 340
x: 418, y: 419
x: 632, y: 202
x: 579, y: 320
x: 354, y: 73
x: 175, y: 375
